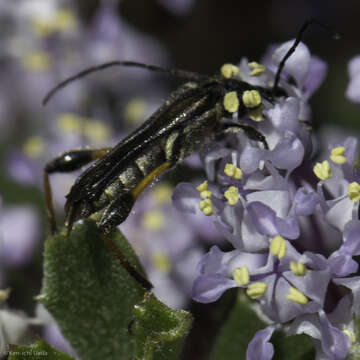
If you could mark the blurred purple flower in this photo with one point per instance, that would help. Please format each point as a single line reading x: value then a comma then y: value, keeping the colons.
x: 19, y: 234
x: 168, y: 244
x: 353, y: 89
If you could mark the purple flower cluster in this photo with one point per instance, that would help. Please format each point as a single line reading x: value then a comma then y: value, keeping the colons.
x: 294, y: 225
x: 43, y: 43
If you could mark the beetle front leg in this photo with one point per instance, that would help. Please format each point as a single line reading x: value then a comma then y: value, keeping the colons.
x: 249, y: 131
x: 67, y: 162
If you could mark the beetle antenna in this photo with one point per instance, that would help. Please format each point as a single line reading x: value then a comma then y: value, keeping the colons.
x: 299, y: 36
x: 182, y: 74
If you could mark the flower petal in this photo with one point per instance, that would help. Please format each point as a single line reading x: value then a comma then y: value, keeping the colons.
x: 259, y: 347
x: 209, y: 288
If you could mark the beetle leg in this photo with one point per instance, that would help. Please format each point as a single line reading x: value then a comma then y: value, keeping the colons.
x: 66, y: 162
x: 250, y: 132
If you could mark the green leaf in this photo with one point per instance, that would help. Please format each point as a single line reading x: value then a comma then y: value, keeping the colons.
x: 101, y: 309
x: 89, y: 293
x: 39, y: 350
x: 159, y: 330
x: 240, y: 328
x: 297, y: 347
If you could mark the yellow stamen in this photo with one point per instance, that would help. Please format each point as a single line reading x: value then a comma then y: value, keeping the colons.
x: 153, y: 220
x: 297, y: 296
x: 42, y: 28
x: 278, y: 246
x: 231, y: 102
x: 337, y: 155
x: 34, y: 147
x: 70, y: 123
x: 206, y: 194
x: 233, y: 171
x: 323, y: 170
x: 241, y: 275
x: 256, y: 114
x: 64, y: 20
x: 96, y: 130
x: 37, y: 61
x: 229, y: 70
x: 135, y: 111
x: 256, y: 290
x: 354, y: 191
x: 298, y: 268
x: 203, y: 186
x: 251, y: 98
x: 4, y: 294
x: 61, y: 21
x: 162, y: 193
x: 232, y: 195
x: 206, y: 207
x: 351, y: 335
x: 161, y: 262
x: 257, y: 69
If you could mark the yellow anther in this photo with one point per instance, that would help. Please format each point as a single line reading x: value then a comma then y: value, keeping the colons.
x: 241, y: 275
x: 96, y: 130
x: 350, y: 334
x: 298, y: 268
x: 297, y: 296
x: 203, y: 186
x: 251, y: 98
x: 278, y: 246
x: 4, y: 294
x: 135, y: 111
x: 256, y: 114
x: 232, y: 195
x: 256, y: 290
x: 161, y: 262
x: 354, y: 191
x: 337, y: 155
x: 206, y: 194
x: 37, y: 61
x: 233, y: 171
x: 231, y: 102
x: 206, y: 207
x: 229, y: 70
x: 323, y: 170
x: 70, y: 123
x: 64, y: 20
x: 42, y: 28
x: 257, y: 69
x: 162, y: 193
x: 34, y: 147
x: 153, y: 220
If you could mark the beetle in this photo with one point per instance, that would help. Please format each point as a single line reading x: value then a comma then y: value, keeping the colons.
x: 190, y: 118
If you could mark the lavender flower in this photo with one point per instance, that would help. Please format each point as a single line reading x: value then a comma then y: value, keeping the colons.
x: 293, y: 224
x: 19, y: 234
